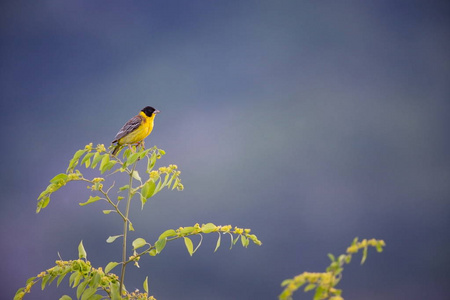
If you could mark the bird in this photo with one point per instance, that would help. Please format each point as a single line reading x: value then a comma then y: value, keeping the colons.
x: 136, y: 129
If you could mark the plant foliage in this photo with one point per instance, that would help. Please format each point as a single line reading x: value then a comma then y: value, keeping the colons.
x: 98, y: 283
x: 324, y: 283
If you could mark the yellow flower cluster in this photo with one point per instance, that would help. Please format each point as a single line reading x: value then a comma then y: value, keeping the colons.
x: 225, y: 228
x: 327, y: 281
x: 364, y: 244
x: 139, y: 296
x: 323, y: 280
x: 73, y: 176
x: 88, y: 147
x: 100, y: 148
x: 154, y: 174
x: 207, y: 228
x: 169, y: 169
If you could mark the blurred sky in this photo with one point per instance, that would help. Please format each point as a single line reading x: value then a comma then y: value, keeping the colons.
x: 311, y: 122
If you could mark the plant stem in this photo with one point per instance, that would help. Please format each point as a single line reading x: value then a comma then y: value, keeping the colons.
x: 125, y: 230
x: 107, y: 198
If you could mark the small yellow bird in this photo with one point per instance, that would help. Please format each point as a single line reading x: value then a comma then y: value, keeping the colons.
x: 136, y: 129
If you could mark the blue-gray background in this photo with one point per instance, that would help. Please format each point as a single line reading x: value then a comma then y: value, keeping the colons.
x: 311, y: 122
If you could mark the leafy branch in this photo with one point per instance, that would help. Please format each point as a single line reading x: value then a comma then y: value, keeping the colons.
x: 324, y: 283
x: 91, y: 283
x: 94, y: 283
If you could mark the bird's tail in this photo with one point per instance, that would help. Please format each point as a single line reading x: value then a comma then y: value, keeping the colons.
x: 116, y: 149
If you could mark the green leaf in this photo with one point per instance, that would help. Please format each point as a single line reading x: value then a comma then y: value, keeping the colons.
x: 142, y: 154
x: 244, y: 241
x: 189, y: 245
x: 348, y: 258
x: 379, y: 247
x: 319, y: 292
x: 53, y: 277
x: 145, y: 285
x: 187, y: 230
x: 138, y: 243
x: 103, y: 164
x: 199, y: 243
x: 232, y: 240
x: 96, y: 159
x: 72, y: 278
x: 125, y: 187
x: 309, y: 287
x: 148, y: 189
x: 74, y: 161
x: 110, y: 266
x: 158, y: 186
x: 61, y: 277
x: 65, y: 297
x: 88, y: 293
x: 81, y: 287
x: 44, y: 280
x: 126, y: 153
x: 42, y: 204
x: 113, y: 238
x: 44, y: 193
x: 218, y: 242
x: 175, y: 184
x: 364, y: 255
x: 110, y: 164
x: 136, y: 176
x: 114, y: 289
x: 173, y: 176
x: 78, y: 278
x: 78, y: 154
x: 236, y: 239
x: 81, y: 252
x: 130, y: 226
x: 30, y: 279
x: 207, y: 228
x: 60, y: 177
x: 132, y: 159
x: 286, y: 282
x: 341, y: 259
x: 337, y: 292
x: 90, y: 200
x: 95, y: 280
x: 87, y: 159
x: 19, y: 294
x: 167, y: 233
x: 108, y: 211
x: 166, y: 179
x: 160, y: 244
x: 151, y: 162
x: 331, y: 256
x: 45, y: 202
x: 152, y: 252
x: 162, y: 152
x: 143, y: 201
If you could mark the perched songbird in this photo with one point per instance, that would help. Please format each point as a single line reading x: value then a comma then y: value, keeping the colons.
x: 136, y: 129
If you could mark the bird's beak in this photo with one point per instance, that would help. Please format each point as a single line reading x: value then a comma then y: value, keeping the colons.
x: 156, y: 112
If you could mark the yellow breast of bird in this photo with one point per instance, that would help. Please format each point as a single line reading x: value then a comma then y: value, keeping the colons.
x: 140, y: 133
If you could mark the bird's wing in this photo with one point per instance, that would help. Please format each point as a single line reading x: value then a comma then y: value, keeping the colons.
x: 129, y: 126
